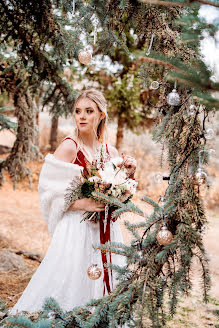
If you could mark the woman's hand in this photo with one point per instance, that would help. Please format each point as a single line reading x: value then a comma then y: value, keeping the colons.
x: 87, y: 204
x: 130, y: 164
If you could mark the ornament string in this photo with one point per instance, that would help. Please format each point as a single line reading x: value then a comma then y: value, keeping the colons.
x: 73, y: 5
x: 106, y: 216
x: 151, y: 42
x: 200, y: 162
x: 95, y: 29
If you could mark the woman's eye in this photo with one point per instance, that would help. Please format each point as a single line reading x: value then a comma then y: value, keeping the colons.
x: 77, y: 111
x: 89, y: 111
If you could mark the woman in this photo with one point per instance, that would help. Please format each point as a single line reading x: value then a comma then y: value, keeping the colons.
x: 63, y: 272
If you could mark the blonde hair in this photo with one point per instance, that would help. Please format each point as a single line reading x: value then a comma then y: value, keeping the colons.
x: 98, y: 97
x: 101, y: 132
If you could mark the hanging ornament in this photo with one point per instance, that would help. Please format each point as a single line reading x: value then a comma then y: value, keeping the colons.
x: 192, y: 110
x: 158, y: 178
x: 51, y: 315
x: 140, y: 255
x: 209, y: 134
x: 140, y: 252
x: 94, y: 272
x: 211, y: 152
x: 84, y: 57
x: 162, y: 201
x: 149, y: 49
x: 173, y: 98
x: 213, y: 78
x: 154, y: 85
x: 201, y: 176
x: 204, y: 228
x: 164, y: 236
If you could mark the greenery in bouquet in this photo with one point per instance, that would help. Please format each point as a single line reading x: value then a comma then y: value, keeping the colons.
x: 109, y: 177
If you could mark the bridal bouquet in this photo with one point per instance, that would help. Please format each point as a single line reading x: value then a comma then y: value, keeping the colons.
x: 106, y: 176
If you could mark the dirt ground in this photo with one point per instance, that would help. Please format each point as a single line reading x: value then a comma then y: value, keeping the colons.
x: 23, y: 228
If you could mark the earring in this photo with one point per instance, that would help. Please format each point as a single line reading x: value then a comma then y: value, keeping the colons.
x: 77, y: 131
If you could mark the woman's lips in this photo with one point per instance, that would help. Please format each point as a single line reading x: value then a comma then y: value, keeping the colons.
x: 83, y: 123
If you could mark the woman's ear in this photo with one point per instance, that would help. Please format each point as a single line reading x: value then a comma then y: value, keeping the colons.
x: 102, y: 115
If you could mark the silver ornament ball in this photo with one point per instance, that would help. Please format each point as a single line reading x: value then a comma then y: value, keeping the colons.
x: 209, y: 134
x: 173, y: 98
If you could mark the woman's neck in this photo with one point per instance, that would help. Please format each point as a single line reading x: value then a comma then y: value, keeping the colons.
x: 89, y: 141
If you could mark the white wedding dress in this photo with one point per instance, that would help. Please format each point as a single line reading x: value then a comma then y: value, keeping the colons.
x: 62, y: 273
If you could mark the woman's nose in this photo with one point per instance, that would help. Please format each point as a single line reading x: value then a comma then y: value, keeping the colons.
x: 83, y: 115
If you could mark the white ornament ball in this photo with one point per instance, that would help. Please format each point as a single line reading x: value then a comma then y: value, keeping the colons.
x: 158, y: 178
x: 173, y: 98
x: 211, y: 152
x: 154, y: 85
x: 94, y: 272
x: 85, y: 57
x: 209, y: 134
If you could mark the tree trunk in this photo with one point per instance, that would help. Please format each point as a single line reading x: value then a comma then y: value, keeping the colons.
x: 22, y: 150
x: 54, y: 133
x: 120, y: 132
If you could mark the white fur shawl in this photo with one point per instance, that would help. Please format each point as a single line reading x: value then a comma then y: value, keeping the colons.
x: 55, y: 177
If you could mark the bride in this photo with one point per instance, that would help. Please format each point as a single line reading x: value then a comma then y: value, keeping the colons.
x: 63, y: 272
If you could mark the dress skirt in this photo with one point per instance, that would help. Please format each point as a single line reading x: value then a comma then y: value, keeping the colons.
x: 62, y: 273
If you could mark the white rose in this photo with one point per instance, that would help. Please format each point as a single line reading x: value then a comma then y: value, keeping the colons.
x: 117, y: 160
x: 94, y: 179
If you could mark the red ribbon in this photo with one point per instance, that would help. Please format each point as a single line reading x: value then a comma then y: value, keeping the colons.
x: 104, y: 238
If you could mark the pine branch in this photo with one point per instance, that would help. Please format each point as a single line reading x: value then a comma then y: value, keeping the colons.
x: 123, y: 207
x: 179, y: 4
x: 151, y: 202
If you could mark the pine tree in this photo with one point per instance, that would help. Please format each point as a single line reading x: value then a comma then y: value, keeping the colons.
x: 35, y: 37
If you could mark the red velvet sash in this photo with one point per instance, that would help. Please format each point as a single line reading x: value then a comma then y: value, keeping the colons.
x: 104, y: 238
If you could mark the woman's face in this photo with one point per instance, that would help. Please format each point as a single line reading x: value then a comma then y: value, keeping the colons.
x: 87, y: 115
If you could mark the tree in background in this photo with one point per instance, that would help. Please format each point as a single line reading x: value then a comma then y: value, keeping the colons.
x: 34, y: 48
x: 124, y: 103
x: 128, y: 96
